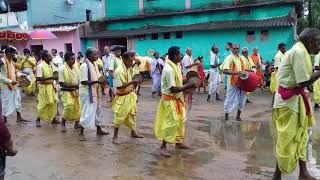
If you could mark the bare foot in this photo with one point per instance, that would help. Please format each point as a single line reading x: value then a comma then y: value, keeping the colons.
x: 164, y: 152
x: 102, y: 133
x: 116, y: 140
x: 82, y: 138
x: 21, y: 120
x: 239, y: 119
x: 38, y: 123
x: 135, y: 135
x: 55, y: 122
x: 63, y: 129
x: 182, y: 146
x: 306, y: 176
x: 77, y: 126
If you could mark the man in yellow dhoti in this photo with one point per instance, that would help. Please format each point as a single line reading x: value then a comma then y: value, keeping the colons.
x: 316, y: 85
x: 27, y: 65
x: 124, y: 104
x: 277, y: 60
x: 171, y: 114
x: 47, y: 96
x: 91, y: 116
x: 69, y: 82
x: 292, y: 114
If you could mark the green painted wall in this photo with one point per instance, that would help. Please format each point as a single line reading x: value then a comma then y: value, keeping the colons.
x: 121, y: 8
x: 257, y: 13
x: 163, y: 6
x: 209, y: 4
x: 202, y: 41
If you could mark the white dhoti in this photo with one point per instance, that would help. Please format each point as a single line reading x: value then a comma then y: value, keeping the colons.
x: 90, y: 113
x: 11, y: 101
x: 235, y: 98
x: 156, y: 82
x: 214, y: 82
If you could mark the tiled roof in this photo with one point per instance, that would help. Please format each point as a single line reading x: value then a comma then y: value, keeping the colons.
x: 213, y: 25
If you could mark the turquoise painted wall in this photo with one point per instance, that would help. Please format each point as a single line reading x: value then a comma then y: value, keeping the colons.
x: 202, y: 41
x: 257, y: 13
x: 120, y: 8
x: 206, y: 4
x: 162, y: 6
x: 44, y: 12
x: 86, y: 43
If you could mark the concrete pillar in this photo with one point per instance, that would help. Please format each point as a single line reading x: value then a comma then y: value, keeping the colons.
x: 141, y: 7
x: 188, y: 4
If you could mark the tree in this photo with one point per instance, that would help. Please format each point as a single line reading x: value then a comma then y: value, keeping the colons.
x: 311, y: 16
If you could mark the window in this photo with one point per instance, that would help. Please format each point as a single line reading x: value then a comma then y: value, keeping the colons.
x: 89, y: 15
x: 141, y: 37
x: 250, y: 36
x: 68, y: 47
x: 166, y: 35
x: 179, y: 34
x: 264, y: 35
x: 244, y: 12
x: 154, y: 36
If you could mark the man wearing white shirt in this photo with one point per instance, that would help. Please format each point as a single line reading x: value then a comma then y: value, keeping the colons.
x: 214, y: 76
x: 188, y: 63
x: 56, y: 59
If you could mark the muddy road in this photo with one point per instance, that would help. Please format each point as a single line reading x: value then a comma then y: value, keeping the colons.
x: 234, y: 150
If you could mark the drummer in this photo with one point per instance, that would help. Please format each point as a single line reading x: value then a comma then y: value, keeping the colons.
x: 124, y: 105
x: 10, y: 92
x: 249, y: 65
x: 69, y: 82
x: 234, y: 65
x: 27, y: 65
x: 90, y: 117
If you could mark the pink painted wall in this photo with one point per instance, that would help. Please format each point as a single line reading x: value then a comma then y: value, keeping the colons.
x: 62, y: 38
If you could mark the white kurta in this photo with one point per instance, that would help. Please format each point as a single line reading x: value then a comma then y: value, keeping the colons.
x: 156, y: 75
x: 91, y: 112
x: 214, y: 77
x: 11, y: 99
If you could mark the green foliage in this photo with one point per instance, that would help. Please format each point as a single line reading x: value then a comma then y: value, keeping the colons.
x: 314, y: 20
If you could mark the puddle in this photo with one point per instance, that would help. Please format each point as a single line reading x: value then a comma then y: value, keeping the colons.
x: 254, y: 139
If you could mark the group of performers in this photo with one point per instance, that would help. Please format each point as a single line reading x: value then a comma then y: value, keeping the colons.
x: 79, y: 87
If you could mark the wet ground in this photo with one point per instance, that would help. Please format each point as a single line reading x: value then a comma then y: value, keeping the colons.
x: 220, y: 150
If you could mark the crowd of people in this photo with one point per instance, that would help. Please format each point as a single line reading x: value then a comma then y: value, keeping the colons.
x: 79, y: 82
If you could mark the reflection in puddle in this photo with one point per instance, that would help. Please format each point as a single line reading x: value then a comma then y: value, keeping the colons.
x: 255, y: 140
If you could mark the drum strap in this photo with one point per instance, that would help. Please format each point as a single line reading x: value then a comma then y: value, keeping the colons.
x: 234, y: 78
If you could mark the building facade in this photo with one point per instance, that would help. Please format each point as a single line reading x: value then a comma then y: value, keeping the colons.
x: 155, y: 25
x: 61, y: 17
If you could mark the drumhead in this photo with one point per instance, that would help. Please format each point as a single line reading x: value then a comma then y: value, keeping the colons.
x: 103, y: 79
x: 138, y: 77
x: 24, y: 82
x: 191, y: 74
x: 244, y: 76
x: 196, y: 81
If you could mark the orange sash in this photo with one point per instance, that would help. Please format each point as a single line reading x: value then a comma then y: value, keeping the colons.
x: 234, y: 78
x: 179, y: 102
x: 9, y: 74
